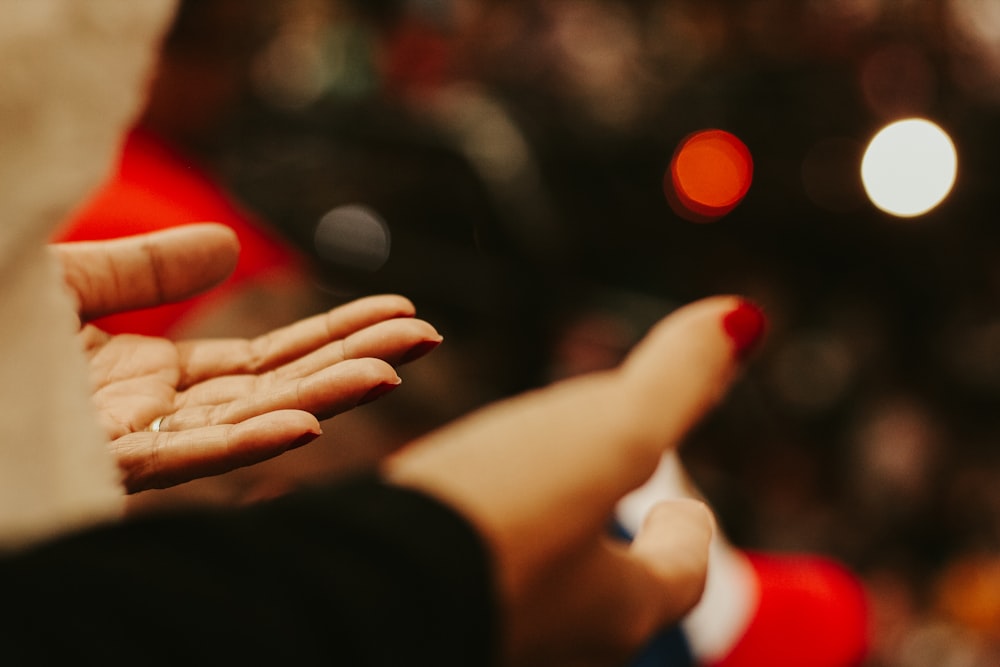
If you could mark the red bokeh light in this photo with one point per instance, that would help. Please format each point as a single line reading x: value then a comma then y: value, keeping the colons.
x: 710, y: 173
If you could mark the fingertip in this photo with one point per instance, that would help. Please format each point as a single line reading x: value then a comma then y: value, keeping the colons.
x: 675, y: 538
x: 192, y: 258
x: 217, y: 235
x: 680, y: 514
x: 378, y: 371
x: 745, y: 325
x: 395, y: 305
x: 421, y: 349
x: 379, y: 390
x: 303, y: 440
x: 414, y: 329
x: 701, y: 345
x: 219, y: 229
x: 221, y: 238
x: 277, y: 432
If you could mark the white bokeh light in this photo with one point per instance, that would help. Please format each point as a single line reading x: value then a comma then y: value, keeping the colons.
x: 909, y: 167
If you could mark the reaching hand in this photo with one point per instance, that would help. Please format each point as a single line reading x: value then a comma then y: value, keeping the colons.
x: 175, y: 411
x: 540, y: 476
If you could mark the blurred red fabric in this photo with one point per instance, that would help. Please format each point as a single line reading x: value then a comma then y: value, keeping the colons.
x: 154, y: 187
x: 813, y: 612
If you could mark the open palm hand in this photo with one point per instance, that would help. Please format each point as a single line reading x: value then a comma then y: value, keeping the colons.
x: 178, y: 410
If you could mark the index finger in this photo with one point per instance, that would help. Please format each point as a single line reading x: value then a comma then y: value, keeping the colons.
x: 545, y: 469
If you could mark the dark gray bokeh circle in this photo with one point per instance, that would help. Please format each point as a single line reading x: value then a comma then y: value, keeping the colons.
x: 353, y: 237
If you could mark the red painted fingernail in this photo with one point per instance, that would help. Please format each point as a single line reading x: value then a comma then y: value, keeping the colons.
x: 745, y: 325
x: 378, y: 391
x: 418, y: 350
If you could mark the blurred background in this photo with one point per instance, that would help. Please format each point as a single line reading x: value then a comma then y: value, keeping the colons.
x: 516, y: 169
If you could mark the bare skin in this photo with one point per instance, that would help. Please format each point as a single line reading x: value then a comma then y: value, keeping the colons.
x: 540, y: 475
x: 224, y: 403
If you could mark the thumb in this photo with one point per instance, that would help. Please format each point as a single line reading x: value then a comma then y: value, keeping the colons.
x: 673, y: 546
x: 144, y: 270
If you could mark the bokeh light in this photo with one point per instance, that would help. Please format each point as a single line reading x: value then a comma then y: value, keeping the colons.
x: 709, y: 174
x: 353, y: 237
x: 909, y: 167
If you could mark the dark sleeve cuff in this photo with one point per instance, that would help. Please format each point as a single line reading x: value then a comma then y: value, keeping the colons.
x: 419, y: 570
x: 359, y: 573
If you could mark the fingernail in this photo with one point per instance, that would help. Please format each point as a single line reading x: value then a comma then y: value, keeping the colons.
x: 304, y: 439
x: 378, y: 391
x: 419, y: 350
x: 745, y: 325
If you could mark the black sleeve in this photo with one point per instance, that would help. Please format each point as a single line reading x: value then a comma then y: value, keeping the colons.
x: 358, y: 574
